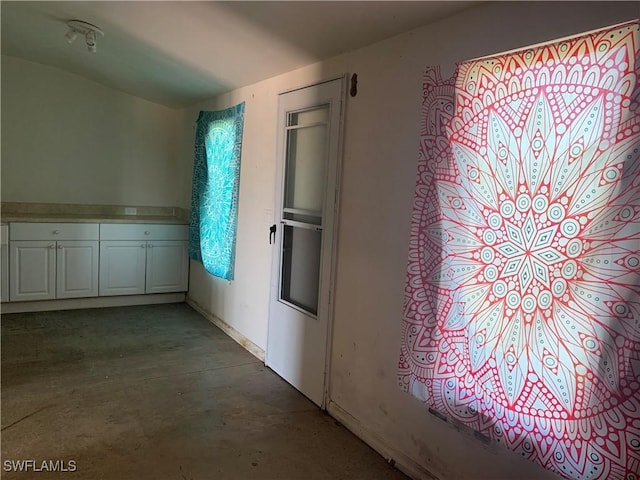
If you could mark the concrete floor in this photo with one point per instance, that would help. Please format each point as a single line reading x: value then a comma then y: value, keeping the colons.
x: 158, y: 392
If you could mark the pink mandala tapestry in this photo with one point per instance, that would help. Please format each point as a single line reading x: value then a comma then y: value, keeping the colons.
x: 522, y: 301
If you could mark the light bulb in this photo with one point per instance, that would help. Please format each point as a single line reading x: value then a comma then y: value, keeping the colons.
x: 71, y: 36
x: 91, y: 41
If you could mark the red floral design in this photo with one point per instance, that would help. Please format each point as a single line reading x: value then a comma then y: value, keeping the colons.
x: 522, y: 311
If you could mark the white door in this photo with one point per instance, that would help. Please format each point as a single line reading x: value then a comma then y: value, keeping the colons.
x: 309, y: 130
x: 32, y: 270
x: 77, y: 269
x: 167, y: 266
x: 122, y: 267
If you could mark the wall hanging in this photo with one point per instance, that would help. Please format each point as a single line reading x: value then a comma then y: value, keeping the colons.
x: 216, y: 183
x: 522, y: 299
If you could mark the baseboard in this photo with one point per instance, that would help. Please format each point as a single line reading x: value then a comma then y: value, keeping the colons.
x: 93, y: 302
x: 247, y: 344
x: 402, y: 462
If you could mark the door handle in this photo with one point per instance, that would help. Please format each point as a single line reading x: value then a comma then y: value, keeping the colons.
x: 272, y: 233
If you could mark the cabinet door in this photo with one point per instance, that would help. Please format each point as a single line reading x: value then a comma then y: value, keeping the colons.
x: 4, y: 263
x: 167, y: 266
x: 4, y: 273
x: 33, y: 270
x: 77, y: 269
x: 122, y: 267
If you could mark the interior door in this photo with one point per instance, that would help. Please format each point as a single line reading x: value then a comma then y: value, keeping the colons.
x: 309, y: 130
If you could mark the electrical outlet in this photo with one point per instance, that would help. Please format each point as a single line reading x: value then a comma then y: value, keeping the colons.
x: 130, y: 211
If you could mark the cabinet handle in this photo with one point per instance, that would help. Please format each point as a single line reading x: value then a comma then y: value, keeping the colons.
x: 149, y: 246
x: 56, y: 232
x: 147, y: 232
x: 143, y: 246
x: 60, y: 247
x: 52, y: 246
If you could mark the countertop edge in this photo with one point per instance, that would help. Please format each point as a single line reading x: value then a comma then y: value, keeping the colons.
x: 140, y: 219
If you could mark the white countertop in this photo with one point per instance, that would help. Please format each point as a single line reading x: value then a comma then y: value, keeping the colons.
x: 76, y: 213
x: 84, y: 218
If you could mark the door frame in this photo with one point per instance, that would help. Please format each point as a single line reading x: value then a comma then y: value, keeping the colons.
x: 334, y: 184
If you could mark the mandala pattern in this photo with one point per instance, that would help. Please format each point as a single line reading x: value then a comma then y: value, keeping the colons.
x: 216, y: 179
x: 522, y: 301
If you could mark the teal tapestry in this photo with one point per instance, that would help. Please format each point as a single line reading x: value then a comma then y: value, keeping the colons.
x: 216, y: 182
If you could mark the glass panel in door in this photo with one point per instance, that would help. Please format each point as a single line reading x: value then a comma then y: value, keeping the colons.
x: 306, y: 165
x: 301, y: 267
x: 304, y: 182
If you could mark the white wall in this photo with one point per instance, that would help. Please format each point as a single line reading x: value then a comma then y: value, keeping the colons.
x: 380, y: 155
x: 66, y: 139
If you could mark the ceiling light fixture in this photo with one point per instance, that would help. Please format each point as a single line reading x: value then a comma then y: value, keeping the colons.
x: 83, y: 28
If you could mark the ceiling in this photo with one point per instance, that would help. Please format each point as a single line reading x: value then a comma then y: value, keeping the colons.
x: 180, y: 52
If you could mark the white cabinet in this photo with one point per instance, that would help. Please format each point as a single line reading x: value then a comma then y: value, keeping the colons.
x: 143, y: 258
x: 77, y: 269
x: 53, y: 260
x: 50, y: 261
x: 4, y: 263
x: 167, y: 266
x: 122, y: 267
x: 33, y: 270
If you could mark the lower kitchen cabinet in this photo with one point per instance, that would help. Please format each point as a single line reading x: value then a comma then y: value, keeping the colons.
x: 122, y: 267
x: 147, y: 259
x: 33, y: 270
x: 167, y: 267
x: 4, y: 263
x: 45, y: 268
x: 77, y: 269
x: 49, y: 261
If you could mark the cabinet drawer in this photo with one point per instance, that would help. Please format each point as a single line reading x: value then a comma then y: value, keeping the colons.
x: 54, y: 231
x: 138, y: 231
